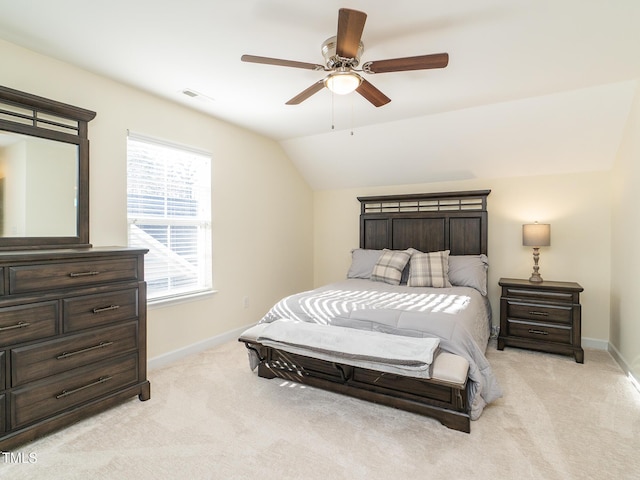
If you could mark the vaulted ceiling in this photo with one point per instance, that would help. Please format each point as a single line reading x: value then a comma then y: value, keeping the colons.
x: 532, y: 87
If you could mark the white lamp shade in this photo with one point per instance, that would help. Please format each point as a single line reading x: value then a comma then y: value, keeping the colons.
x: 536, y: 235
x: 342, y: 83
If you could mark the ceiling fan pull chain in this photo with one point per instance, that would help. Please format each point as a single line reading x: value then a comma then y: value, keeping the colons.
x: 333, y: 114
x: 352, y: 115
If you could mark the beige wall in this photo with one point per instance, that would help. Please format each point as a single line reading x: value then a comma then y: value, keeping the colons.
x: 577, y: 207
x: 261, y: 205
x: 625, y: 252
x: 274, y: 236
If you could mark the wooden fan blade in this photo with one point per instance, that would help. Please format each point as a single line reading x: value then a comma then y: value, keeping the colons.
x: 421, y: 62
x: 302, y: 96
x: 282, y: 63
x: 350, y: 28
x: 371, y: 93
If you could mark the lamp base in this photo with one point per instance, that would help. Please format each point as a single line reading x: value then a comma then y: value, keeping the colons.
x: 535, y: 278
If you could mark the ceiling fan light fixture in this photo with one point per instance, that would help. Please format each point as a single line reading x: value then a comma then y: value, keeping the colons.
x: 343, y: 83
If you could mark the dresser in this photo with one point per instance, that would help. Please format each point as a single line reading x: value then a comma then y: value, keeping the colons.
x: 541, y: 316
x: 72, y: 337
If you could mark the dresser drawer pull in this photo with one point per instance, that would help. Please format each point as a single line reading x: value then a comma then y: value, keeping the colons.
x: 88, y: 349
x: 83, y: 274
x: 540, y: 314
x: 17, y: 325
x: 106, y: 309
x: 66, y: 393
x: 538, y: 332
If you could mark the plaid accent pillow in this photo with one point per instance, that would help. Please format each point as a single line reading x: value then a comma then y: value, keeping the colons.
x: 429, y: 270
x: 388, y: 268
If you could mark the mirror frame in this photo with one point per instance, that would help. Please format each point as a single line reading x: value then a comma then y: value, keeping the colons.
x: 55, y: 121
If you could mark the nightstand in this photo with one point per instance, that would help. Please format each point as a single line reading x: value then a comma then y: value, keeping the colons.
x: 541, y: 316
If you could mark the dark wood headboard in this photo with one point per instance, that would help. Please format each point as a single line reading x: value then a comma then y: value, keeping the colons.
x: 429, y: 222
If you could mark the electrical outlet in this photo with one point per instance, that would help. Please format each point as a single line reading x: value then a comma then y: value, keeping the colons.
x: 495, y: 331
x: 245, y: 301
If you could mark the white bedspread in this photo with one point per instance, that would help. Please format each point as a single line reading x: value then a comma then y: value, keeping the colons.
x: 409, y: 356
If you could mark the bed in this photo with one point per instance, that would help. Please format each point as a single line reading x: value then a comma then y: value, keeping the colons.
x: 410, y: 324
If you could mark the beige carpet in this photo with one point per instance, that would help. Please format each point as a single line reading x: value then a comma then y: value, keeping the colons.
x: 210, y: 417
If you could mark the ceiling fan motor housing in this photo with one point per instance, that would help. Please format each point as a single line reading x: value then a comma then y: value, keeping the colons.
x: 333, y: 60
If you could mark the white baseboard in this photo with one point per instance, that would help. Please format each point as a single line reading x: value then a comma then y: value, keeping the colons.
x: 594, y: 343
x: 617, y: 356
x: 170, y: 357
x: 625, y: 366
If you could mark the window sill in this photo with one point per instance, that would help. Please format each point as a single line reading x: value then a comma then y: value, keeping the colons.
x: 153, y: 304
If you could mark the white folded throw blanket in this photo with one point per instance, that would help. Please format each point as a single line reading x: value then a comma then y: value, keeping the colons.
x: 362, y: 348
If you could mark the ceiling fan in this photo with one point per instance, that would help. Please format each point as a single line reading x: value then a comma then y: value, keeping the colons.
x: 342, y: 56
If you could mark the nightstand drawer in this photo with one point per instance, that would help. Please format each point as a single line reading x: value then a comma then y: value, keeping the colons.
x: 539, y: 295
x: 539, y: 331
x: 539, y: 312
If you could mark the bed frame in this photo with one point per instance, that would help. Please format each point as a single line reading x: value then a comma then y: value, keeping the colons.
x: 455, y: 221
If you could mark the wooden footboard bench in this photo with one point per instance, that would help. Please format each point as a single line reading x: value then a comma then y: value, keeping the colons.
x: 443, y: 396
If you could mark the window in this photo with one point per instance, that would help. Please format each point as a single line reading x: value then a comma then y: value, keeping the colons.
x: 169, y: 213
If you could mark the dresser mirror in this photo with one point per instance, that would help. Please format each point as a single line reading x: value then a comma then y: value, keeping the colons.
x: 44, y: 172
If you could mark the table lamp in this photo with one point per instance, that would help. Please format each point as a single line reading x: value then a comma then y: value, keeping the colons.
x: 536, y: 235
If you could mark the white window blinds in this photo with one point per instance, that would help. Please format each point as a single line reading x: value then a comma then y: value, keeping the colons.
x: 169, y: 212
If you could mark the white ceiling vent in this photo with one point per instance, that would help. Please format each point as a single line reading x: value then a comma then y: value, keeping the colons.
x: 189, y: 92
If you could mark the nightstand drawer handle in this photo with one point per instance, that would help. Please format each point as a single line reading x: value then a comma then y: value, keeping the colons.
x: 84, y: 350
x: 540, y: 314
x: 538, y: 332
x: 17, y: 325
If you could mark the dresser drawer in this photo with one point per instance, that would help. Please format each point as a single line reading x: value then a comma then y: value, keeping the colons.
x: 54, y: 276
x: 539, y: 331
x: 539, y: 312
x: 3, y: 415
x: 33, y: 362
x: 28, y: 322
x: 100, y: 309
x: 69, y: 389
x: 3, y: 379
